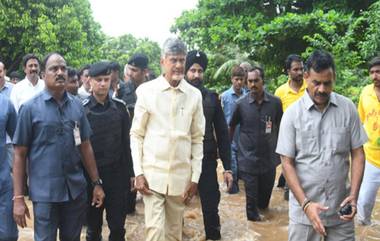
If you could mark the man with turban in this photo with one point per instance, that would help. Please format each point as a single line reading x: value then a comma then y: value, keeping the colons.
x: 196, y: 64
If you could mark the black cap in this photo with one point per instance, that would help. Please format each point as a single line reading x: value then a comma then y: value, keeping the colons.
x: 100, y: 68
x: 139, y: 61
x: 196, y: 57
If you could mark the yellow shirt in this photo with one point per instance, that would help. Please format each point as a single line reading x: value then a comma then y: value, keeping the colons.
x: 287, y: 95
x: 369, y: 112
x: 167, y: 135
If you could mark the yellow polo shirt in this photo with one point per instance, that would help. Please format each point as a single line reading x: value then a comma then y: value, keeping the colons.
x: 369, y: 112
x: 287, y: 95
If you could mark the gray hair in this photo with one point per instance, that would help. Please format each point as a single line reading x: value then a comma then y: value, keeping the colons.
x: 173, y: 46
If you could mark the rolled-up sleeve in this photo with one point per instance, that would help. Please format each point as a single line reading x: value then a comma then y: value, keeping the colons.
x: 137, y: 133
x: 197, y: 133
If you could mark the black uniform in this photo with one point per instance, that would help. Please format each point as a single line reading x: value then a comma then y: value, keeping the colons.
x: 208, y: 187
x: 110, y: 141
x: 259, y: 125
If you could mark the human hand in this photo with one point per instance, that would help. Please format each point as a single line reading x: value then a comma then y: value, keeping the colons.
x: 141, y: 185
x: 97, y: 196
x: 352, y: 201
x: 132, y: 182
x: 228, y: 179
x: 20, y: 210
x: 312, y: 211
x: 189, y: 193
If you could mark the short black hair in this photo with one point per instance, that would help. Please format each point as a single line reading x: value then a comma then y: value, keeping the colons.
x: 260, y: 69
x: 14, y: 74
x: 71, y: 72
x: 27, y: 57
x: 46, y: 58
x: 114, y: 66
x: 238, y: 71
x: 87, y: 66
x: 320, y: 60
x: 375, y: 61
x: 290, y: 59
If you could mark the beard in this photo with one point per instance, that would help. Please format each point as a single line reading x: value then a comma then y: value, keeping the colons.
x: 197, y: 83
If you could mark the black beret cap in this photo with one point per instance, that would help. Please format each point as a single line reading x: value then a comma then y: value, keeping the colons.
x: 196, y: 57
x: 100, y: 68
x: 139, y: 61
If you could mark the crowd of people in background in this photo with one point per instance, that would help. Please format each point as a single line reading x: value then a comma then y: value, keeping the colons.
x: 81, y: 142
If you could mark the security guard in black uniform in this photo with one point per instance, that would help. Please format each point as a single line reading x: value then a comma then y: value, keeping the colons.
x: 110, y: 124
x: 196, y: 64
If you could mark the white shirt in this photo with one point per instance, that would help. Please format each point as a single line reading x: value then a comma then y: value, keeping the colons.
x: 83, y: 93
x: 24, y: 91
x: 167, y: 135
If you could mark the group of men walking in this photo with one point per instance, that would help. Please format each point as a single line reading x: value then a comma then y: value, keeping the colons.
x: 85, y: 150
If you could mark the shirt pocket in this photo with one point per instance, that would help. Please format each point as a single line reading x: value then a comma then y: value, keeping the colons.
x: 49, y: 134
x: 340, y: 139
x: 309, y: 142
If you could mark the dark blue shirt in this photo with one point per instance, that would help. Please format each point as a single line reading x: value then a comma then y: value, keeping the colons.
x: 257, y: 142
x: 47, y: 129
x: 8, y: 120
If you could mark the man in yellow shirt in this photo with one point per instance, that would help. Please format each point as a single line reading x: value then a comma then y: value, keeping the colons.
x: 167, y: 144
x: 289, y: 93
x: 369, y: 112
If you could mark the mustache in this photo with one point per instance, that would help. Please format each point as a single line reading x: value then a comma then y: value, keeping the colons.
x: 321, y: 94
x: 60, y: 78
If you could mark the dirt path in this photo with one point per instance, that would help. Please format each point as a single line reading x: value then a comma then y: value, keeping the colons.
x: 235, y: 227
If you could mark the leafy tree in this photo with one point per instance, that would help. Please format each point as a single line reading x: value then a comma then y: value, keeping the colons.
x: 64, y: 26
x: 121, y: 48
x: 267, y: 31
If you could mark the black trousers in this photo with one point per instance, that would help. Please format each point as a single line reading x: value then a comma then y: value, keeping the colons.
x: 258, y: 190
x: 209, y: 194
x: 114, y: 186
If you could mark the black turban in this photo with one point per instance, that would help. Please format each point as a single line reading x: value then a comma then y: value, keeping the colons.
x: 196, y: 57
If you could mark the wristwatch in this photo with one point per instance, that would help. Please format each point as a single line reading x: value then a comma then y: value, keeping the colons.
x: 97, y: 182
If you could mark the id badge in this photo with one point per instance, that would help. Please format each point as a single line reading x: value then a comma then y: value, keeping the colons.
x: 268, y: 125
x: 76, y: 133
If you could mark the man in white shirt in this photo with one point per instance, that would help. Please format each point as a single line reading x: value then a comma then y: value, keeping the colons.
x: 167, y: 144
x: 30, y: 85
x: 84, y: 89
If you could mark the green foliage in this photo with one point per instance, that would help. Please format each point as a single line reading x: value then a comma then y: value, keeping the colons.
x: 120, y: 49
x: 267, y: 31
x: 64, y: 26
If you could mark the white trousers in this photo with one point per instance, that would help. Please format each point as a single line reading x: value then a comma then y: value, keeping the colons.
x: 367, y: 195
x: 163, y: 217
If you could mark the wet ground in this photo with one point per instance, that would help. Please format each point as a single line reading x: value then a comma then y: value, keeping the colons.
x: 235, y: 227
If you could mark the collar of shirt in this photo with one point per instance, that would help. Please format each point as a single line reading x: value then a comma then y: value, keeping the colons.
x: 94, y: 102
x: 39, y: 82
x: 252, y: 100
x: 309, y: 103
x: 232, y: 91
x: 6, y: 85
x: 290, y: 90
x: 47, y: 96
x: 164, y: 84
x: 372, y: 93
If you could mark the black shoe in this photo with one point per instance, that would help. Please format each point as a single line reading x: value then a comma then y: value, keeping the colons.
x: 255, y: 218
x: 253, y: 215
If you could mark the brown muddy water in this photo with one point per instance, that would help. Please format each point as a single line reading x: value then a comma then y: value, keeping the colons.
x: 235, y: 226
